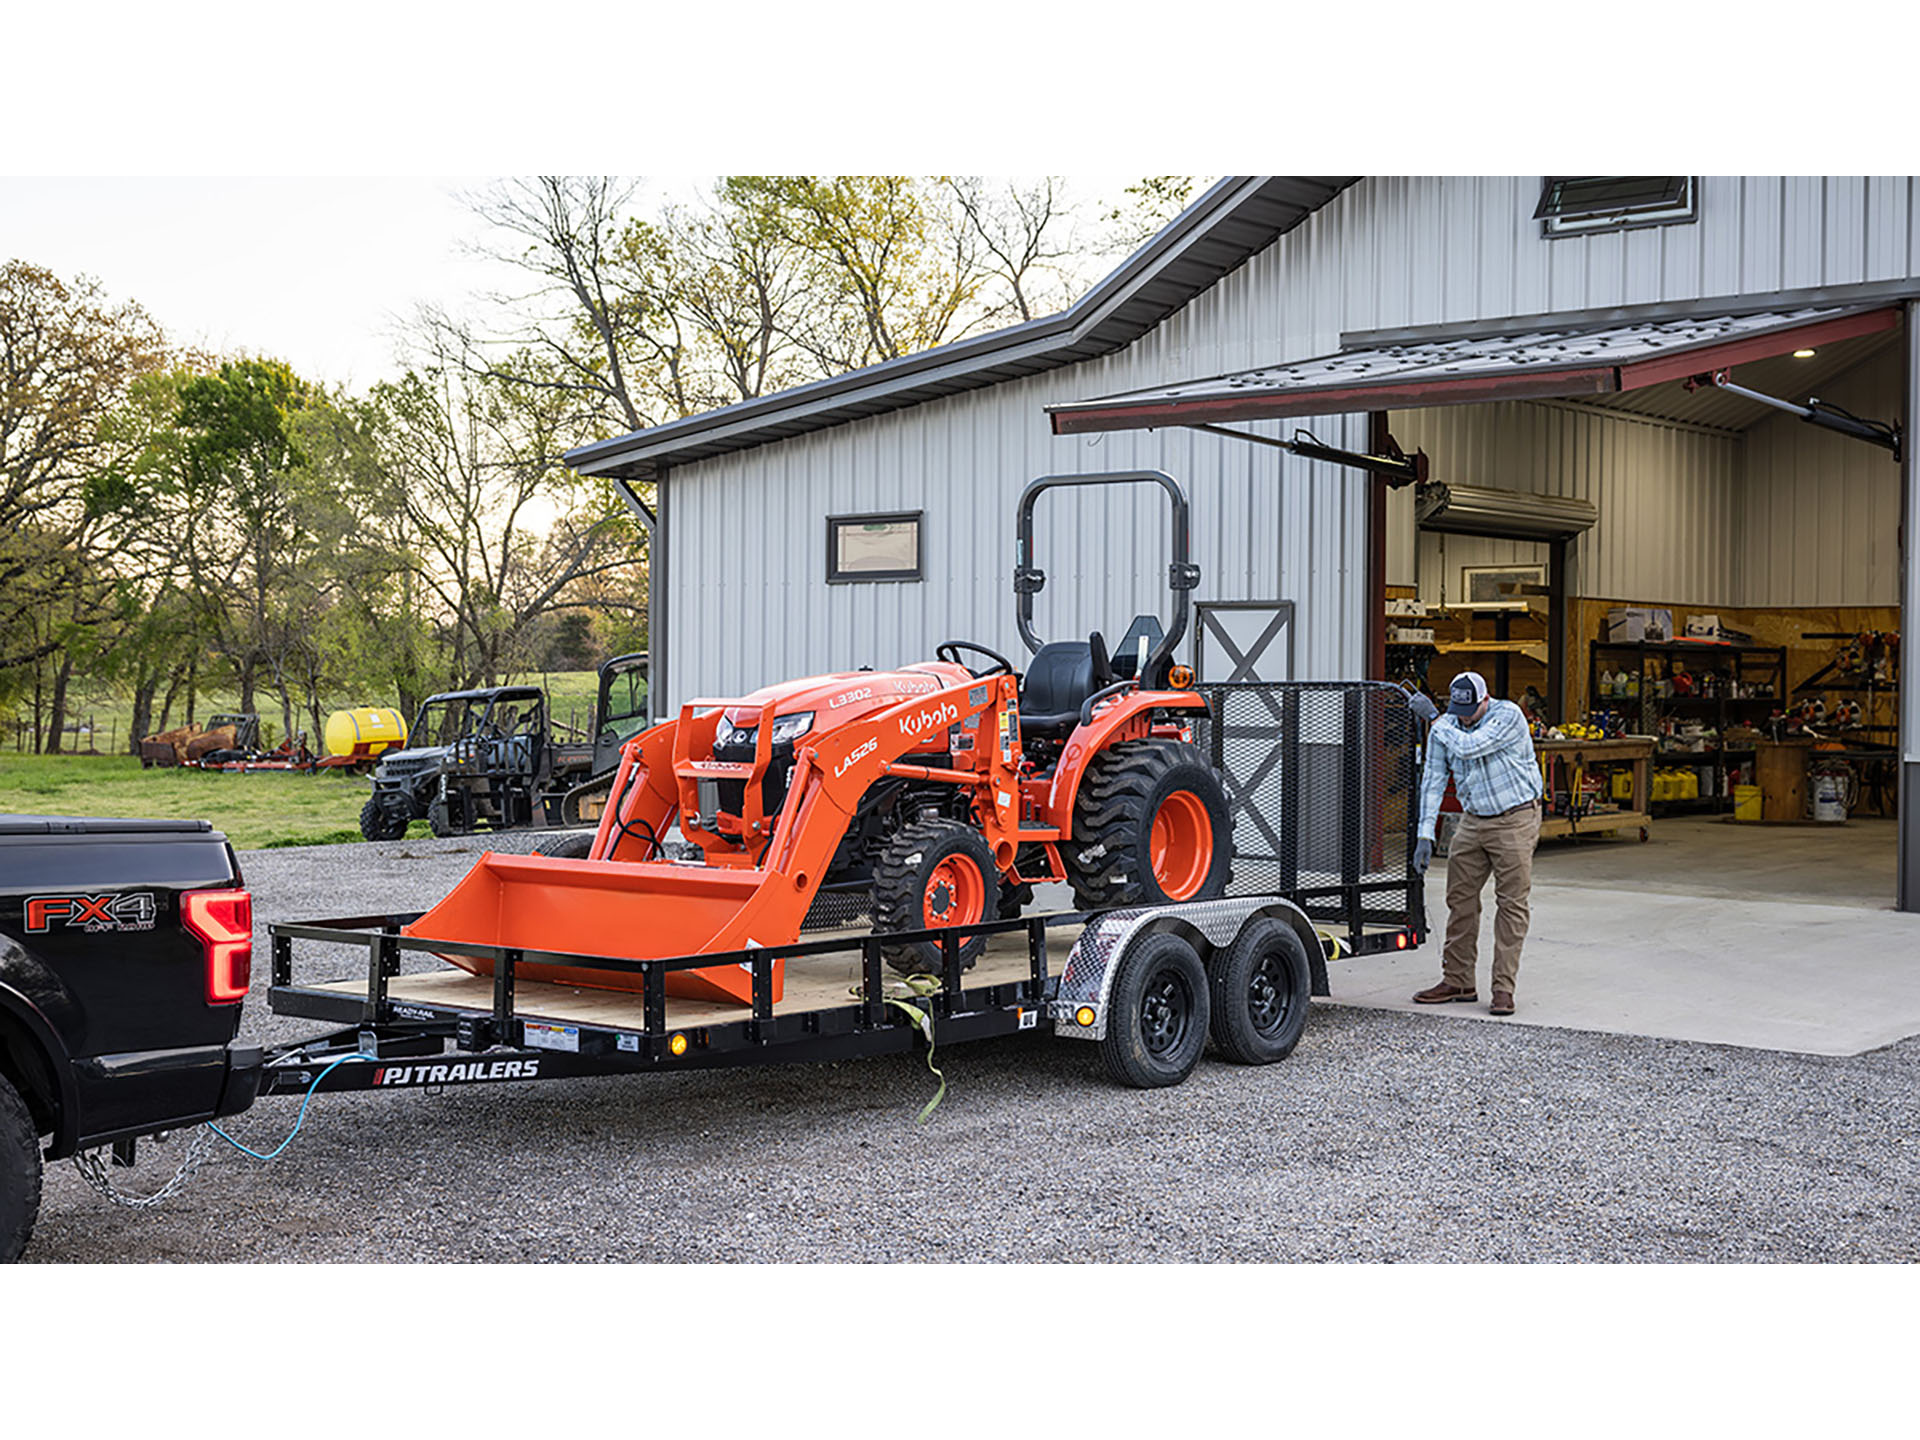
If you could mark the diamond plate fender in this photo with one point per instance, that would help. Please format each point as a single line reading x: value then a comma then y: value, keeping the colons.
x: 1087, y: 977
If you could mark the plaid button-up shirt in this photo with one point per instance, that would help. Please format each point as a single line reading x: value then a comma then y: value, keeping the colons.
x: 1492, y: 765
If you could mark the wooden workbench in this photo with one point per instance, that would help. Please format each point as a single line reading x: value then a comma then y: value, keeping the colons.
x: 1635, y: 812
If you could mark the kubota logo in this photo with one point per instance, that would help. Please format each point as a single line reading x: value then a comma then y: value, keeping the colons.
x: 938, y: 718
x: 136, y: 910
x: 859, y: 753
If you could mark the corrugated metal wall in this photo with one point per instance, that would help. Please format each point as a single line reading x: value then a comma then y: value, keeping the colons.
x: 1816, y: 520
x: 1663, y: 492
x: 747, y: 532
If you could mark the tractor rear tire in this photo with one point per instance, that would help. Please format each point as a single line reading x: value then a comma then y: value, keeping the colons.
x: 19, y: 1173
x: 381, y: 822
x: 934, y: 873
x: 573, y: 845
x: 1150, y: 826
x: 1157, y: 1022
x: 1260, y: 985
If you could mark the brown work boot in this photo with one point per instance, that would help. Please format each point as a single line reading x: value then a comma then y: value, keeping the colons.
x: 1502, y: 1002
x: 1442, y: 993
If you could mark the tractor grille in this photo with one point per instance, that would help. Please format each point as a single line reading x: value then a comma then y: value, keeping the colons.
x: 773, y: 788
x: 1322, y: 784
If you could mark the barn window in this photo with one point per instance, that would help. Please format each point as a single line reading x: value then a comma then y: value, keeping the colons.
x: 873, y: 547
x: 1581, y: 204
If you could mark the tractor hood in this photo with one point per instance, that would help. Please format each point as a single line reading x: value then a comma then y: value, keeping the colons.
x: 845, y: 694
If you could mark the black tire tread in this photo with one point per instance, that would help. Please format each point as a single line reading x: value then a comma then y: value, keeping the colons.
x: 1127, y: 1059
x: 573, y: 845
x: 377, y: 821
x: 1105, y: 863
x: 20, y: 1168
x: 1230, y: 971
x: 899, y: 886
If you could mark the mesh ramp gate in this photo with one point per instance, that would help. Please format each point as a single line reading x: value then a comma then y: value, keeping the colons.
x: 1322, y: 782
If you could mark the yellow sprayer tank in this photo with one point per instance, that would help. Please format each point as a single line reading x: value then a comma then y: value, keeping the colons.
x: 364, y: 732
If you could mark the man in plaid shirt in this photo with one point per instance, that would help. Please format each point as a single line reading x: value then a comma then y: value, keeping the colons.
x: 1485, y: 747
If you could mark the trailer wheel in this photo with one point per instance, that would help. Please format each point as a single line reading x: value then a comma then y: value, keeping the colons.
x: 1157, y: 1023
x: 1150, y: 825
x: 934, y: 873
x: 572, y: 846
x: 382, y: 822
x: 1260, y: 985
x: 19, y: 1173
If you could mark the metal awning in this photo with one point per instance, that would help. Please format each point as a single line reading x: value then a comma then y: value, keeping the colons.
x: 1524, y: 366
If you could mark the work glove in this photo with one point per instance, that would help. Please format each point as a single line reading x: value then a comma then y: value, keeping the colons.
x: 1424, y: 708
x: 1422, y: 856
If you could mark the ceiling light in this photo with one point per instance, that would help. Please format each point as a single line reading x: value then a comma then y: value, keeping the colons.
x: 1803, y: 354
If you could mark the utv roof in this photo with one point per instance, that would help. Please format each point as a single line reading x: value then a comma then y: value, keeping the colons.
x: 498, y: 692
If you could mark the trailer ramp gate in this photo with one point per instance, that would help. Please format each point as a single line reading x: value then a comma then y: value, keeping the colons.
x: 1321, y: 780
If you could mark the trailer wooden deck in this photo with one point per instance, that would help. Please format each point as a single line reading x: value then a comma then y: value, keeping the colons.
x: 814, y: 982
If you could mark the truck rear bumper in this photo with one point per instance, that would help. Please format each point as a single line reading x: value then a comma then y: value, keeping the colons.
x: 143, y: 1092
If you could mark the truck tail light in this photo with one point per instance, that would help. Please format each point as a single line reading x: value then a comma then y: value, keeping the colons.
x: 223, y: 920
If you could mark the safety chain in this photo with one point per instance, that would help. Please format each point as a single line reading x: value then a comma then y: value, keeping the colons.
x: 93, y: 1169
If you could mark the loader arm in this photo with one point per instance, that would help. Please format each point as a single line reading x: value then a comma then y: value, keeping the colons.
x: 640, y: 805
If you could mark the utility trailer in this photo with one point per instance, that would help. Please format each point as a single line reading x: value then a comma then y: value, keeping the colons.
x: 1322, y: 783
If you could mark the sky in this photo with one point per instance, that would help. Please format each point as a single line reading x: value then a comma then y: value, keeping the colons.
x: 320, y: 273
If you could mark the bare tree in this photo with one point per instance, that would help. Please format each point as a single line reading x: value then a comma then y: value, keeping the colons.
x: 1019, y: 228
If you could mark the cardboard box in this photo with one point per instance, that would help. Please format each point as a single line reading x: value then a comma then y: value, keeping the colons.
x: 1703, y: 627
x: 1627, y: 625
x: 1409, y: 635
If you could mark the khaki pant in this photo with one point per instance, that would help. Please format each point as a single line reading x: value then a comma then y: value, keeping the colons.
x: 1503, y: 847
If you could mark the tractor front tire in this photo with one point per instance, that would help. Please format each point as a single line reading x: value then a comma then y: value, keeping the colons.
x: 573, y: 845
x: 19, y: 1173
x: 934, y: 873
x: 1260, y: 986
x: 1150, y: 826
x: 382, y: 822
x: 1157, y: 1022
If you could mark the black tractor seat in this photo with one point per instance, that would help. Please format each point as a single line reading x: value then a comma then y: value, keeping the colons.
x: 1063, y: 674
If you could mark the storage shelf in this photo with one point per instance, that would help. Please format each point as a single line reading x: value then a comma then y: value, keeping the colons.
x: 1535, y: 650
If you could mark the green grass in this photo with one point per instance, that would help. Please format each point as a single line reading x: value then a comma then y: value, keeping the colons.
x: 257, y: 811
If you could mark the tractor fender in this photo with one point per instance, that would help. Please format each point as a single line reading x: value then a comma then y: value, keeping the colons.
x: 1110, y: 726
x: 1207, y: 925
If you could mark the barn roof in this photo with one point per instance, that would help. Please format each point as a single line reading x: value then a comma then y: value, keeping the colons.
x: 1233, y: 220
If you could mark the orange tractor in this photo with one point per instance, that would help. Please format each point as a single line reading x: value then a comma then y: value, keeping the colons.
x: 946, y: 790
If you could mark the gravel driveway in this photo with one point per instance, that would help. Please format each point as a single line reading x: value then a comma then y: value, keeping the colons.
x: 1386, y: 1137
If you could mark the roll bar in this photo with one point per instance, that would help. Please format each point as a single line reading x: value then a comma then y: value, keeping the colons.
x: 1182, y: 574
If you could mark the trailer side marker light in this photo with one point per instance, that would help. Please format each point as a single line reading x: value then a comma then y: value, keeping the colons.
x: 1400, y: 941
x: 1084, y: 1017
x: 678, y: 1044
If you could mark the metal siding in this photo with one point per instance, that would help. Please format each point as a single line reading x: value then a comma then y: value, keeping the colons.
x: 1818, y: 514
x: 750, y: 602
x: 1661, y: 492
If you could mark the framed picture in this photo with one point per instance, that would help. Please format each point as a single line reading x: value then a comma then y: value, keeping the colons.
x: 1480, y: 584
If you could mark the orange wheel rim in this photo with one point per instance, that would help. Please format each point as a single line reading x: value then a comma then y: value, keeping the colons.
x: 956, y: 894
x: 1181, y: 845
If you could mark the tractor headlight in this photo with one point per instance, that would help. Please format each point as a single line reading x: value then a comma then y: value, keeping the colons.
x: 789, y: 728
x: 728, y: 733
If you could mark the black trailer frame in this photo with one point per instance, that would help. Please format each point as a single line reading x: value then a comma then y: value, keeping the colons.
x: 1278, y: 747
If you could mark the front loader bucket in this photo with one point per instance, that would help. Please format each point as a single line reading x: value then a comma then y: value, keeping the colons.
x: 623, y: 909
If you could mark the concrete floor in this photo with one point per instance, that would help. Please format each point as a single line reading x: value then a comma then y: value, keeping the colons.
x: 1775, y: 938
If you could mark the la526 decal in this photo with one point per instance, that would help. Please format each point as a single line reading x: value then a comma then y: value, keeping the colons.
x: 134, y: 910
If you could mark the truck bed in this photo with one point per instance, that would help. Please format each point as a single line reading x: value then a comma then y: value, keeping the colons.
x: 814, y: 982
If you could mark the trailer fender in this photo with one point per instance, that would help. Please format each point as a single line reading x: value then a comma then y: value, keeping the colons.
x: 1086, y: 981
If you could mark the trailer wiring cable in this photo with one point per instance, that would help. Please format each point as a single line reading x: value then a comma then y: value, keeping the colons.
x: 93, y: 1169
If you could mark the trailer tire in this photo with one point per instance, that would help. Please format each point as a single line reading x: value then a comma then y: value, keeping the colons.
x: 1157, y: 1020
x: 572, y: 846
x: 382, y: 822
x: 1260, y: 985
x: 933, y: 869
x: 1150, y: 826
x: 19, y: 1173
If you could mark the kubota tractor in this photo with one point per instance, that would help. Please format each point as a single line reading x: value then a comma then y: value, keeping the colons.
x: 949, y: 788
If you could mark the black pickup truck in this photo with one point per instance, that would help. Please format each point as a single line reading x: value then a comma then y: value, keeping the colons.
x: 126, y: 947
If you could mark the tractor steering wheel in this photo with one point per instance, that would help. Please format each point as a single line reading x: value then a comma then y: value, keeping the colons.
x: 1001, y: 663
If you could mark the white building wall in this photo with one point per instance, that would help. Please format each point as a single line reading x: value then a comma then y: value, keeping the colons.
x: 746, y: 532
x: 1816, y: 520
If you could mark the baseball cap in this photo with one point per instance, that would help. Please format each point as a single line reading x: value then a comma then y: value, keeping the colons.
x: 1469, y: 689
